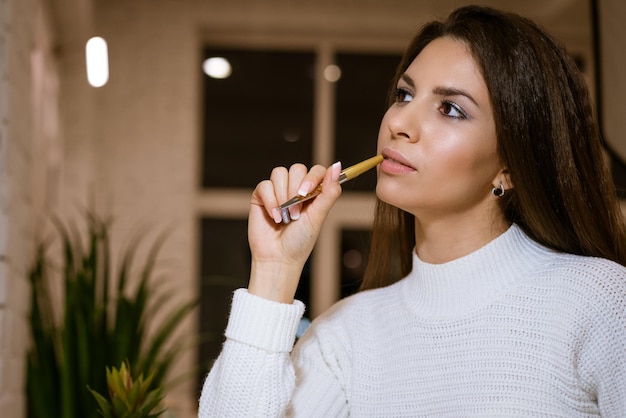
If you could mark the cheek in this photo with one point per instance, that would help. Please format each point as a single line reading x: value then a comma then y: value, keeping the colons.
x: 465, y: 155
x: 465, y: 172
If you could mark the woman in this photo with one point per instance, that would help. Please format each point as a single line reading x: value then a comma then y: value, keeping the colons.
x: 495, y: 285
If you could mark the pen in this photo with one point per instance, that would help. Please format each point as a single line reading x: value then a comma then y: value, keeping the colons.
x: 347, y: 174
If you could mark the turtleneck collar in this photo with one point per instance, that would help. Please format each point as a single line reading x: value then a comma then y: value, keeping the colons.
x: 468, y: 283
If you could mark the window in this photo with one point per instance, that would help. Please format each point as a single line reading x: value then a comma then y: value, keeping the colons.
x: 276, y: 108
x: 354, y: 254
x: 259, y: 117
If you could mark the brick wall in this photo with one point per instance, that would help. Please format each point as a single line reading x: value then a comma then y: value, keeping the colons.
x: 15, y: 199
x: 29, y: 175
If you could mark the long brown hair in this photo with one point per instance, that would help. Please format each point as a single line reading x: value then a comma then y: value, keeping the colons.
x: 563, y: 195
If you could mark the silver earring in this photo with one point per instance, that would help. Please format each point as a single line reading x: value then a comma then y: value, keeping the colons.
x: 498, y: 191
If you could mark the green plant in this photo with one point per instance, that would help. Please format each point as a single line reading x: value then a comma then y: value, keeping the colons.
x: 100, y: 324
x: 128, y: 398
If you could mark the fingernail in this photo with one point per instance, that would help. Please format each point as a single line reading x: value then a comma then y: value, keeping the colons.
x: 336, y: 171
x: 305, y: 188
x: 276, y: 215
x: 294, y: 213
x: 285, y: 215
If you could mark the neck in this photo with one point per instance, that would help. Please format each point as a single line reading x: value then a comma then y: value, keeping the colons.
x: 442, y: 240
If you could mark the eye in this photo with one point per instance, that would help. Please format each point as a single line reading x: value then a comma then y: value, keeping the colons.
x: 403, y: 95
x: 452, y: 110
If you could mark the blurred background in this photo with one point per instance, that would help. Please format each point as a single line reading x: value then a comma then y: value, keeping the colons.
x: 202, y: 98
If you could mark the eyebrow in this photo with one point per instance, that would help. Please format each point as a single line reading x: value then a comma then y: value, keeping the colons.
x: 451, y: 91
x: 407, y: 79
x: 441, y: 90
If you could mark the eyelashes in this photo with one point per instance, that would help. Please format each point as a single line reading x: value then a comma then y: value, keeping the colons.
x: 452, y: 110
x: 403, y: 95
x: 446, y: 107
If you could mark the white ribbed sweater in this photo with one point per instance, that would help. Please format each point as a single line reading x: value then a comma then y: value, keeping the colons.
x: 511, y: 330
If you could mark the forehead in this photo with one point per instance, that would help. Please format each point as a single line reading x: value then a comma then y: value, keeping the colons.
x: 448, y: 61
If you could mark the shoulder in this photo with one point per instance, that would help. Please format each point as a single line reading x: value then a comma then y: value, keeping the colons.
x: 589, y: 275
x: 593, y: 287
x: 594, y: 292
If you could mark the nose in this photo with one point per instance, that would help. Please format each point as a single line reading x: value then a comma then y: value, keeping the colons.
x: 402, y: 122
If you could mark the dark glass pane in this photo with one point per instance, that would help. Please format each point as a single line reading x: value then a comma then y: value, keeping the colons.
x: 361, y: 103
x: 354, y: 254
x: 259, y: 117
x: 224, y: 267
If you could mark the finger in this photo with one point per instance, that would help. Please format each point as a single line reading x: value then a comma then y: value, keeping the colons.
x: 280, y: 181
x: 311, y: 180
x: 264, y: 196
x: 296, y: 173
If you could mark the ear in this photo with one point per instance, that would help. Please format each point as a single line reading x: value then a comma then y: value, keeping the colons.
x: 504, y: 176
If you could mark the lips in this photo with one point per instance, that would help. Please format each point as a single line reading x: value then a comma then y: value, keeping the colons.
x: 396, y: 163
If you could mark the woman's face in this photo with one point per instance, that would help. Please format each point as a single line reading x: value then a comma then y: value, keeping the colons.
x: 439, y: 138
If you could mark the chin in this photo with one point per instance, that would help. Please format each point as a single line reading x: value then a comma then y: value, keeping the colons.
x: 388, y: 196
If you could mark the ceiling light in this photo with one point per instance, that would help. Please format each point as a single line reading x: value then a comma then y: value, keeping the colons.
x: 97, y: 58
x: 217, y: 67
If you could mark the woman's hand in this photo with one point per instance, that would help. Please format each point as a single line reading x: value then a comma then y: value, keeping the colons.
x: 280, y: 250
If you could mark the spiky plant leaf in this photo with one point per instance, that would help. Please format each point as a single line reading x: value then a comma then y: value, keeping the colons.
x: 101, y: 324
x: 103, y: 403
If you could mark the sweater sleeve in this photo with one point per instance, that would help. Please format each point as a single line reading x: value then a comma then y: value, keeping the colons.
x: 603, y: 357
x: 255, y: 376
